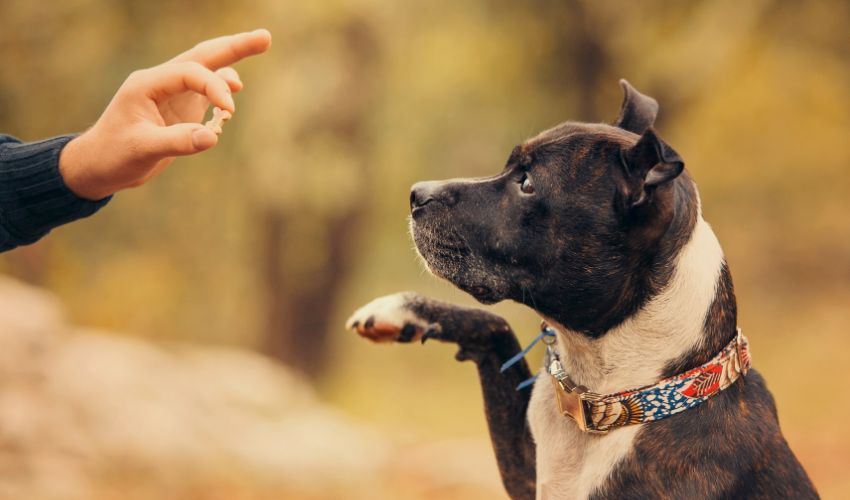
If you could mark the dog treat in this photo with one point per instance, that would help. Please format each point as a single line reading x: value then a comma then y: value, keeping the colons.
x: 218, y: 118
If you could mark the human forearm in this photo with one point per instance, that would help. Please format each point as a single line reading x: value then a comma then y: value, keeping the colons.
x: 34, y: 197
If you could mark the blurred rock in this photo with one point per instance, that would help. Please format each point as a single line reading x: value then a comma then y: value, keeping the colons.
x: 89, y: 414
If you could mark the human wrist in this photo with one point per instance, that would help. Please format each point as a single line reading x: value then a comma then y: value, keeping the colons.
x: 76, y: 169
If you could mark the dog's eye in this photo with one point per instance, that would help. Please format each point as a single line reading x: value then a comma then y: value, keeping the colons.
x: 525, y: 185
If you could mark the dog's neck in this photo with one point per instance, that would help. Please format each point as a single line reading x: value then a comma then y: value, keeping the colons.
x: 681, y: 327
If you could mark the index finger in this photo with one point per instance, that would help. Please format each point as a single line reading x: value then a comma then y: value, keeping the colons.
x: 225, y: 50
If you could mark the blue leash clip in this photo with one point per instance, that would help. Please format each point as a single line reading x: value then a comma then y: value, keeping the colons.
x: 546, y: 331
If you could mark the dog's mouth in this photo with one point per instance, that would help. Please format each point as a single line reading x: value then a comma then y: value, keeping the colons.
x: 446, y: 254
x: 440, y: 248
x: 483, y: 294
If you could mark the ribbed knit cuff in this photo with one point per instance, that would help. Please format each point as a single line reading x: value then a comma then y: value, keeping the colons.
x: 33, y: 196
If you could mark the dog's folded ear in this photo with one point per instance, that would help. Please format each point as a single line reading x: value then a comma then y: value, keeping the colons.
x: 648, y: 164
x: 637, y: 112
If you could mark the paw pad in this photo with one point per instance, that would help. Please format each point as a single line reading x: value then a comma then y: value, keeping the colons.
x: 387, y: 319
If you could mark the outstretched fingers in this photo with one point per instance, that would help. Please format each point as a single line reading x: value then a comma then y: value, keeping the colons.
x: 226, y: 50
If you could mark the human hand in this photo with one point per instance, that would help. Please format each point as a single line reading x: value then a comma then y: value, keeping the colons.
x: 155, y: 116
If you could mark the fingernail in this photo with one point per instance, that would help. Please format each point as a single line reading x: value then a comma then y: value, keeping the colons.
x: 200, y: 139
x: 228, y: 98
x: 265, y: 32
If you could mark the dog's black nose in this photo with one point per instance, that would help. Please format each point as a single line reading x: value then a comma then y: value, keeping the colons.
x: 421, y: 194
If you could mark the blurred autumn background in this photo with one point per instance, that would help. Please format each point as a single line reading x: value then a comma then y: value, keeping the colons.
x: 187, y: 342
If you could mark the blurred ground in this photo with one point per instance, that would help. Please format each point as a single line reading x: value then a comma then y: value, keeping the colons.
x: 88, y: 414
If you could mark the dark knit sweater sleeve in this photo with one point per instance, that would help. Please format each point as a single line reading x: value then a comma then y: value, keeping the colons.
x: 33, y: 196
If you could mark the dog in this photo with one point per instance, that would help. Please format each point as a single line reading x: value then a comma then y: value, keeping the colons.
x: 646, y: 391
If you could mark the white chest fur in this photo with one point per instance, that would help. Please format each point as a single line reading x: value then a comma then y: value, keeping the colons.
x: 571, y: 464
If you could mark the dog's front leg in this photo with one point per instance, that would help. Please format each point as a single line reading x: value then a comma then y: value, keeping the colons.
x: 488, y: 341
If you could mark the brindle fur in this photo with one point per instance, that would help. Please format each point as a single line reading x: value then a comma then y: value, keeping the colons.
x: 488, y: 341
x: 730, y: 446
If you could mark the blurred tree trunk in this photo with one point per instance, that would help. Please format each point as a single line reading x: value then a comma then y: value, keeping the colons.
x: 591, y: 59
x: 300, y: 299
x: 299, y: 307
x: 578, y: 61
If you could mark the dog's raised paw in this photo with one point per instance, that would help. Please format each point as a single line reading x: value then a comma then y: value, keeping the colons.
x: 389, y: 319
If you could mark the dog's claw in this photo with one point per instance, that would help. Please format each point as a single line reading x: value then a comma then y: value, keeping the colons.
x: 433, y: 330
x: 427, y: 335
x: 370, y: 322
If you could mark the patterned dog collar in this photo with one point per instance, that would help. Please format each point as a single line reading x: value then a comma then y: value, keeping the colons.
x: 597, y: 413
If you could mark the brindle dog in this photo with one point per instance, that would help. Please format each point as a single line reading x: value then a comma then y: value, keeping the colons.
x: 597, y: 228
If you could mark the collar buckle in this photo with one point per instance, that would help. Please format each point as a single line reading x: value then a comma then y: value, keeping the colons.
x: 571, y: 403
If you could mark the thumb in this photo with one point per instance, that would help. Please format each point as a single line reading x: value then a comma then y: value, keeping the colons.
x: 181, y: 139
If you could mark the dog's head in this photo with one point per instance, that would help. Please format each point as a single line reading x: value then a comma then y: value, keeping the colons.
x: 581, y: 224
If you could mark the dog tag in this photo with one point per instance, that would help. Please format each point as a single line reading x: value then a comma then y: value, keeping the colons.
x: 567, y: 401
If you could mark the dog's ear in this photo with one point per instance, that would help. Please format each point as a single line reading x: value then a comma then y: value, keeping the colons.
x: 648, y: 164
x: 637, y: 112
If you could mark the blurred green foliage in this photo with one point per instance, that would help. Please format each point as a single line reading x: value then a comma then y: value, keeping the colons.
x: 755, y: 96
